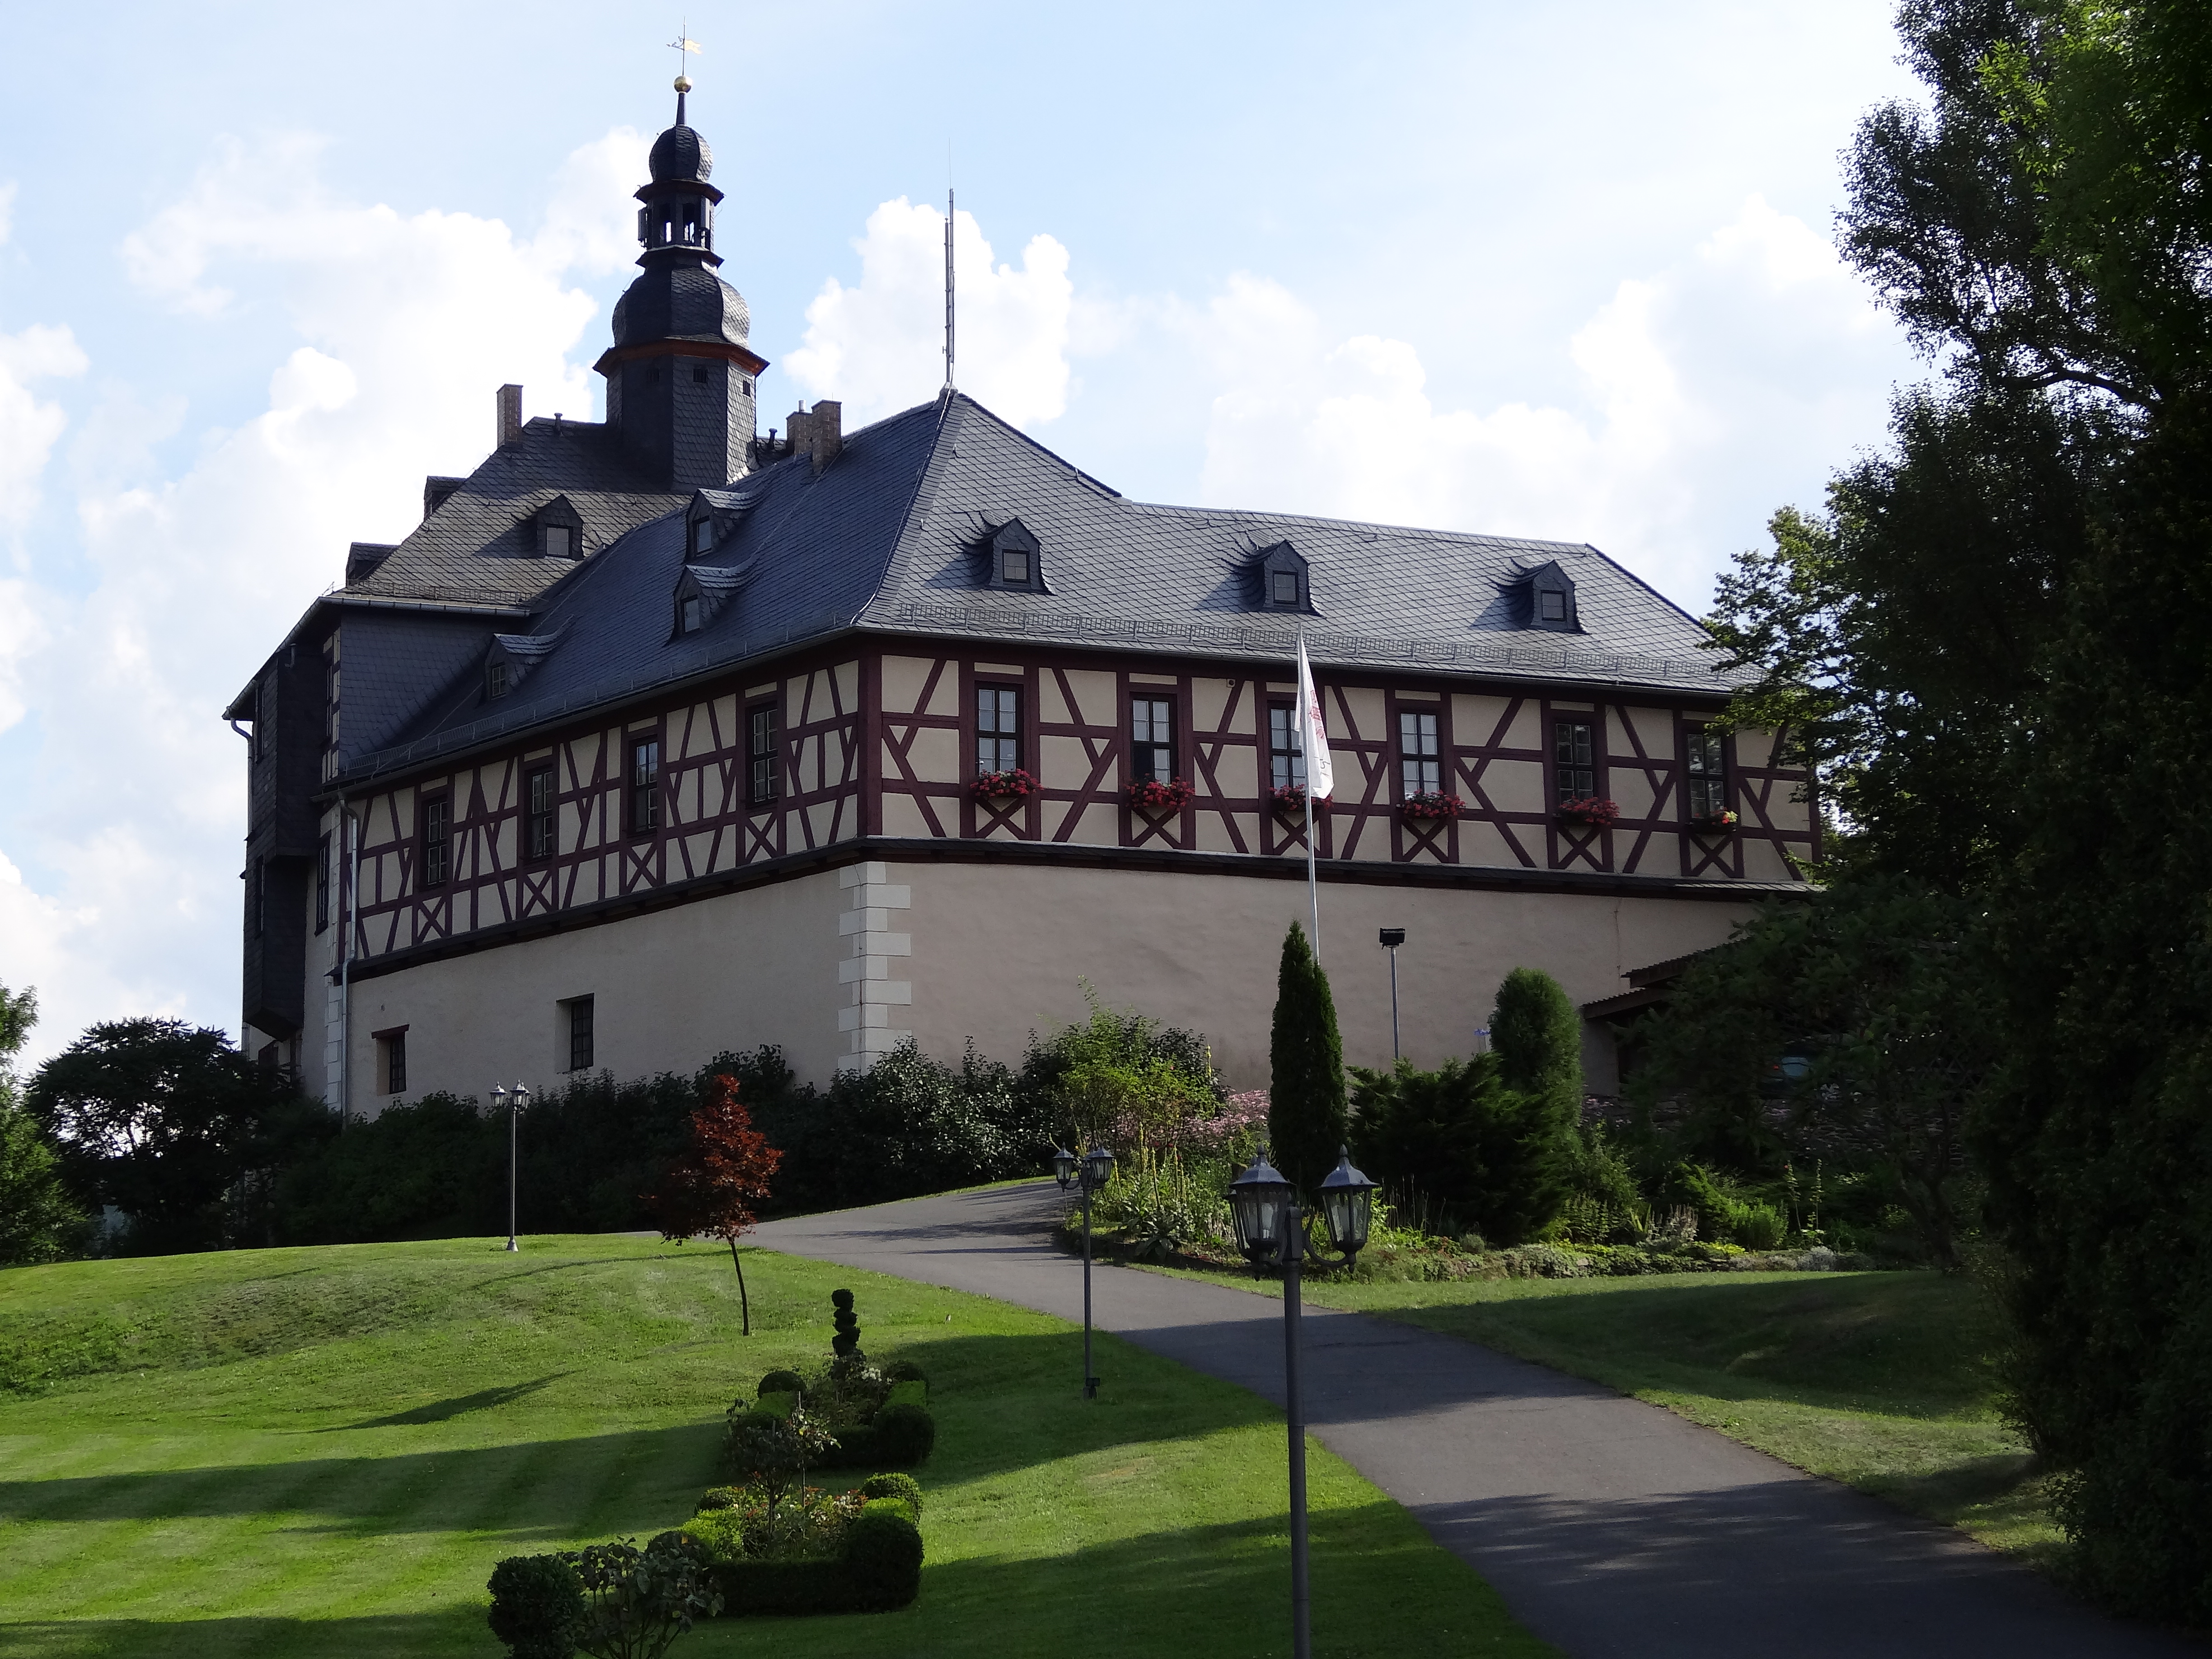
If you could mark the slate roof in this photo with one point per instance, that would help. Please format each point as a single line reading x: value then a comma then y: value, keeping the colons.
x: 886, y: 539
x: 479, y: 545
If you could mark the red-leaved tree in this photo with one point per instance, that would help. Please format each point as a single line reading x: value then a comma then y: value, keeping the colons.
x: 711, y: 1190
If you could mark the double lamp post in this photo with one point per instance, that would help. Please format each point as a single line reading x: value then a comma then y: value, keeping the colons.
x: 516, y: 1104
x: 1271, y: 1229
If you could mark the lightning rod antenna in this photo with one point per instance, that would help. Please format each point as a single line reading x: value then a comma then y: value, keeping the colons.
x: 948, y: 287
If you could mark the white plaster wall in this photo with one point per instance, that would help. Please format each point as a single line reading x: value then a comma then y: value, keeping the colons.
x: 998, y: 952
x: 673, y: 989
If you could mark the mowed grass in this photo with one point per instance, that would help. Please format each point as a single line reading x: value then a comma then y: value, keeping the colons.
x: 324, y: 1451
x: 1885, y: 1380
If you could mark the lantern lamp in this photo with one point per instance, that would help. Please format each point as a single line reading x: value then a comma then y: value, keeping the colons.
x: 1259, y: 1207
x: 1097, y: 1167
x: 1347, y: 1203
x: 1063, y: 1166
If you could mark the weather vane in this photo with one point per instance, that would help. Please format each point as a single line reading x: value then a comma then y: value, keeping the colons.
x: 682, y: 44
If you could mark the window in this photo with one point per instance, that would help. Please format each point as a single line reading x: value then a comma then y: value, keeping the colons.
x: 762, y: 772
x: 998, y: 728
x: 1551, y: 599
x: 1015, y: 570
x: 558, y: 541
x: 1573, y: 768
x: 1286, y: 760
x: 698, y: 370
x: 1552, y: 606
x: 496, y: 683
x: 703, y: 537
x: 1151, y: 740
x: 689, y: 619
x: 1282, y: 578
x: 580, y: 1010
x: 1286, y: 587
x: 1016, y: 559
x: 392, y: 1060
x: 537, y: 828
x: 437, y: 840
x: 644, y: 786
x: 1708, y: 773
x: 1419, y: 768
x: 322, y: 885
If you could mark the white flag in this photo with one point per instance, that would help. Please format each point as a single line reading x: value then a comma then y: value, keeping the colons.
x: 1313, y: 733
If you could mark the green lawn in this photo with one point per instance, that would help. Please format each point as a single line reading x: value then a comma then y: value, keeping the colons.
x: 1885, y: 1381
x: 324, y: 1451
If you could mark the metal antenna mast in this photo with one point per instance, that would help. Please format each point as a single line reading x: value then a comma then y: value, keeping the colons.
x: 948, y: 287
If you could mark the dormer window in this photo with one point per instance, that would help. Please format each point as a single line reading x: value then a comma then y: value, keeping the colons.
x: 560, y: 530
x: 689, y: 616
x: 496, y: 684
x: 1016, y: 559
x: 703, y: 537
x: 1551, y: 600
x: 1283, y: 579
x: 701, y: 591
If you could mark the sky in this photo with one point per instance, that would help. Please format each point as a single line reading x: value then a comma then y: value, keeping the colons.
x: 1565, y: 272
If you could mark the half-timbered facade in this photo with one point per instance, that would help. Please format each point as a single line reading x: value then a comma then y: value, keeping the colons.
x: 658, y: 738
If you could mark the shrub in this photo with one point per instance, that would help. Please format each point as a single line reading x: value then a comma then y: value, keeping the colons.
x: 783, y: 1383
x: 721, y: 1497
x: 907, y: 1394
x: 883, y: 1555
x: 1490, y: 1154
x: 640, y: 1601
x: 904, y: 1434
x: 1759, y: 1227
x: 895, y: 1485
x: 846, y: 1344
x: 1306, y: 1100
x: 537, y: 1606
x: 905, y: 1370
x: 1537, y: 1033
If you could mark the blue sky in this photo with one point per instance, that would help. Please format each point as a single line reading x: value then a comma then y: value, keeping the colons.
x: 1562, y: 270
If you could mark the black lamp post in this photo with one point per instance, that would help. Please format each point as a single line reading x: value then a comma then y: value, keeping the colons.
x: 1270, y: 1227
x: 514, y: 1103
x: 1091, y: 1171
x: 1392, y: 939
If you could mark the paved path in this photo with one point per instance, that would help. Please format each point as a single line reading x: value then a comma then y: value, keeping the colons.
x: 1610, y: 1526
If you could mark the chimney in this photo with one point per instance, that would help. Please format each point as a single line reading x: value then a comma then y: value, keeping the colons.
x: 819, y: 434
x: 510, y: 415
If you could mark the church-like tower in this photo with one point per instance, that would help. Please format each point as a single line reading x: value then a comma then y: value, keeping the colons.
x: 682, y: 382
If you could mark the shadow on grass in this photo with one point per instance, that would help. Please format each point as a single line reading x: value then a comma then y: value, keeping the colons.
x: 444, y: 1411
x: 387, y: 1636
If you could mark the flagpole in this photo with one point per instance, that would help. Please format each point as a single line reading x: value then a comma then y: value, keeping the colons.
x: 1321, y: 777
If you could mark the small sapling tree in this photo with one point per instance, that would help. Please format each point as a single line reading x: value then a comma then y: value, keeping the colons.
x: 712, y: 1189
x: 1306, y: 1102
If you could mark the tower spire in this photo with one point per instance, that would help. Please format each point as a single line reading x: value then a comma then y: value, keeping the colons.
x: 681, y: 45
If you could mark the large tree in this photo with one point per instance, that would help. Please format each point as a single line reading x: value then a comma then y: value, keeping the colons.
x: 1993, y: 648
x: 37, y: 1222
x: 161, y: 1119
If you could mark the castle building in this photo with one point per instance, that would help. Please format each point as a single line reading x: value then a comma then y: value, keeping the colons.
x: 657, y: 737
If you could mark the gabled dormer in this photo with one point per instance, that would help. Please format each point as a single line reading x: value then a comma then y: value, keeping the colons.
x: 711, y: 519
x: 1013, y: 559
x: 703, y: 592
x: 1284, y: 579
x: 556, y: 529
x: 1548, y: 595
x: 511, y: 659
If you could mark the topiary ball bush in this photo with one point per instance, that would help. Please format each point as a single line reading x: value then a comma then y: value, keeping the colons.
x: 721, y: 1497
x: 782, y: 1383
x: 883, y: 1553
x: 537, y: 1606
x: 904, y: 1434
x: 904, y: 1487
x: 905, y: 1370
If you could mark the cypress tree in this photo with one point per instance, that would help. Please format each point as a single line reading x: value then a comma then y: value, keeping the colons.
x: 1538, y: 1034
x: 1305, y: 1103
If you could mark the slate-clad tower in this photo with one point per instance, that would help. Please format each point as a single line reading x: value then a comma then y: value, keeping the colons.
x: 680, y: 377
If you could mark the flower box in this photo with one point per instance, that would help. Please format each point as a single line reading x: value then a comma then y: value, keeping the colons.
x: 1714, y: 824
x: 1290, y: 799
x: 1018, y: 784
x: 1589, y: 811
x: 1430, y: 805
x: 1150, y: 795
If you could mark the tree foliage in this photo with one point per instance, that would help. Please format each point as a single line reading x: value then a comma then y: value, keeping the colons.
x: 1491, y: 1157
x: 1306, y: 1098
x: 715, y: 1189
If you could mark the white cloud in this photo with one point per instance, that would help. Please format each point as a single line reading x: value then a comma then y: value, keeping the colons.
x: 879, y: 347
x: 1729, y: 379
x: 118, y: 889
x: 7, y: 208
x: 29, y: 428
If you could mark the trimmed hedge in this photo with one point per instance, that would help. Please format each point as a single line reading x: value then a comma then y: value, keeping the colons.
x: 880, y: 1569
x: 900, y: 1435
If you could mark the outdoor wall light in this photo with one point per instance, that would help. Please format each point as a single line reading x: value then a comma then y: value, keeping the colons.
x: 1089, y: 1172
